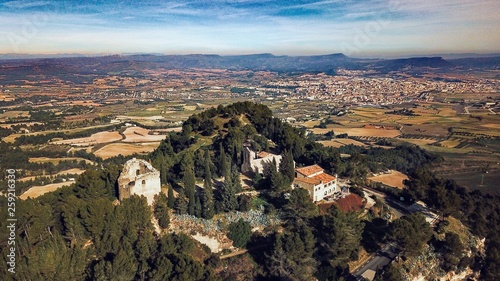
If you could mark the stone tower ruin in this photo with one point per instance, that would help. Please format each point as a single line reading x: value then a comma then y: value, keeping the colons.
x: 139, y: 177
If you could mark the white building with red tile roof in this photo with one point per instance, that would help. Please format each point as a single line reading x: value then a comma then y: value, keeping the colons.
x: 318, y: 183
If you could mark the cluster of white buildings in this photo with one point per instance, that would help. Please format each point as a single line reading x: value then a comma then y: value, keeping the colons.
x: 354, y: 89
x: 320, y: 185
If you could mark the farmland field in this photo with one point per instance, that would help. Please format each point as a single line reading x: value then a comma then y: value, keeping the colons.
x: 359, y: 132
x: 66, y: 172
x: 36, y: 191
x: 101, y: 137
x: 450, y: 143
x: 419, y: 142
x: 394, y: 179
x: 138, y: 134
x: 57, y: 160
x: 485, y: 182
x: 11, y: 138
x: 341, y: 142
x: 125, y: 149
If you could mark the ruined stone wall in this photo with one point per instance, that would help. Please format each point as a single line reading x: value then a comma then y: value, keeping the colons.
x: 138, y: 177
x: 259, y: 165
x: 248, y: 156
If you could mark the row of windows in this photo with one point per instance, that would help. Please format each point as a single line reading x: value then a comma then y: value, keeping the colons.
x: 318, y: 188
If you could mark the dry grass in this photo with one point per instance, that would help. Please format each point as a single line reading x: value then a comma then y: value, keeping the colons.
x: 450, y: 143
x: 311, y: 124
x: 57, y: 160
x: 13, y: 137
x: 360, y: 132
x: 495, y: 126
x: 8, y: 126
x: 190, y: 107
x: 435, y: 130
x: 138, y: 134
x: 65, y: 172
x: 125, y: 149
x: 175, y: 129
x: 71, y: 171
x: 341, y: 142
x: 36, y: 191
x: 14, y: 114
x: 419, y: 142
x: 101, y: 137
x: 394, y: 179
x: 458, y: 228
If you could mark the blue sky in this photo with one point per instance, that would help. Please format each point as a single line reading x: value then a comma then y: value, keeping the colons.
x: 354, y: 27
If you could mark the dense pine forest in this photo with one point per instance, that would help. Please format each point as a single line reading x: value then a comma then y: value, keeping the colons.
x: 82, y: 232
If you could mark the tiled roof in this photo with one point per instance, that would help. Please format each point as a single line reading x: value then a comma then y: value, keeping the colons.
x: 309, y: 170
x: 324, y: 177
x: 264, y: 154
x: 308, y: 180
x: 351, y: 203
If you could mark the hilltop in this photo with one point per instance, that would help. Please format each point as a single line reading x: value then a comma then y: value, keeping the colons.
x: 276, y: 231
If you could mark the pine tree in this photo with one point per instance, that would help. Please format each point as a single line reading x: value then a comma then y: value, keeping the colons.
x: 235, y: 178
x: 161, y: 210
x: 207, y: 210
x: 197, y: 207
x: 189, y: 178
x: 266, y: 146
x: 171, y: 198
x: 208, y: 172
x: 189, y: 181
x: 181, y: 203
x: 275, y: 179
x: 240, y: 232
x: 163, y: 173
x: 227, y: 201
x: 286, y: 167
x: 292, y: 254
x: 207, y: 200
x: 223, y: 161
x: 191, y: 205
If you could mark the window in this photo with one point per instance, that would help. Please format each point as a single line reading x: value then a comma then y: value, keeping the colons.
x: 137, y: 172
x: 143, y: 182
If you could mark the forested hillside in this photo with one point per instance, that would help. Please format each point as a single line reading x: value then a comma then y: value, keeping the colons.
x: 82, y: 232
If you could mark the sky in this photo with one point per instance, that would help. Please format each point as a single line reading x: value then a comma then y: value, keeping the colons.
x: 358, y: 28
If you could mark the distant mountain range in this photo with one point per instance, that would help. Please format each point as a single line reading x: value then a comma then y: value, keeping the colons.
x: 136, y: 64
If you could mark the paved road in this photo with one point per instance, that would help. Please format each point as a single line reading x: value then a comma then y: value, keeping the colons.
x: 378, y: 260
x: 396, y: 209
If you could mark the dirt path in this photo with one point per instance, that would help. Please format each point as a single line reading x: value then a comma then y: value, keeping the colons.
x: 243, y: 251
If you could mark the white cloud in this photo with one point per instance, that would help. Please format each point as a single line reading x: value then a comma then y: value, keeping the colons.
x: 455, y: 26
x: 25, y: 4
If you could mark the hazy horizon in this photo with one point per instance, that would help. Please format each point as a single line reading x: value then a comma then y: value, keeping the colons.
x: 382, y: 56
x: 375, y: 28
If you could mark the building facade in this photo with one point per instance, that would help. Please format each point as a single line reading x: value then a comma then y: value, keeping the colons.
x: 257, y: 162
x: 139, y: 177
x: 319, y: 184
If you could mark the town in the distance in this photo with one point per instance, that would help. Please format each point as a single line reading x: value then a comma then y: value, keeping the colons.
x: 251, y: 167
